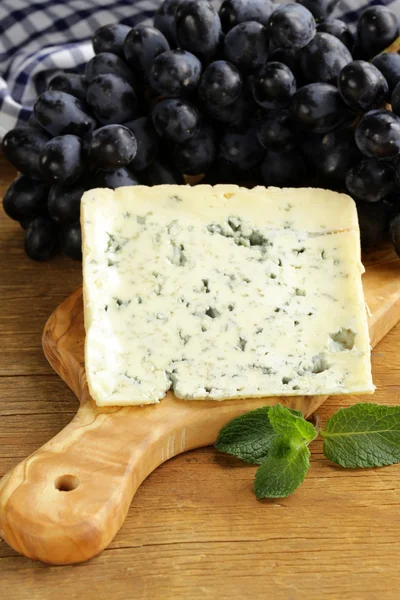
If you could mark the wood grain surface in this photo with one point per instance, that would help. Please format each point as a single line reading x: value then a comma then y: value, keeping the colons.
x: 99, y: 460
x: 195, y: 529
x: 104, y: 454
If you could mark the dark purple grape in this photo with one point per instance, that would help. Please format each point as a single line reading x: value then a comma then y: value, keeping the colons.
x: 378, y: 134
x: 323, y: 58
x: 62, y: 160
x: 377, y: 28
x: 275, y: 132
x: 41, y: 239
x: 393, y: 200
x: 395, y: 100
x: 388, y: 64
x: 142, y: 45
x: 362, y: 86
x: 112, y: 99
x: 240, y: 146
x: 221, y: 83
x: 222, y: 171
x: 273, y: 85
x: 333, y: 153
x: 319, y: 8
x: 71, y: 241
x: 284, y: 168
x: 71, y: 83
x: 23, y: 146
x: 232, y: 114
x: 107, y: 63
x: 337, y: 28
x: 175, y: 119
x: 159, y: 174
x: 147, y: 143
x: 397, y: 174
x: 291, y: 26
x: 246, y: 46
x: 198, y: 28
x: 34, y: 123
x: 175, y: 73
x: 112, y: 146
x: 395, y: 233
x: 110, y: 38
x: 121, y: 177
x: 373, y: 219
x: 25, y: 199
x: 290, y: 58
x: 370, y: 180
x: 164, y: 20
x: 194, y: 156
x: 318, y: 107
x: 64, y: 202
x: 25, y: 223
x: 357, y: 53
x: 60, y: 113
x: 233, y: 12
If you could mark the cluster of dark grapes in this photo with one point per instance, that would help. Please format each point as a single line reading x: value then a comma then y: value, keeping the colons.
x: 257, y: 93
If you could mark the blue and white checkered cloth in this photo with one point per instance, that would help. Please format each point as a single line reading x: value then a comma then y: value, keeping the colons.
x: 40, y: 37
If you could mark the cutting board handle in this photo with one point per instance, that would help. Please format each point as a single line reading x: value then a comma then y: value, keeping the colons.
x: 65, y: 503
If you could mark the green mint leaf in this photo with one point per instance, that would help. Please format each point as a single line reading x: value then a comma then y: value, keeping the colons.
x: 363, y: 435
x: 283, y: 471
x: 247, y: 437
x: 292, y: 424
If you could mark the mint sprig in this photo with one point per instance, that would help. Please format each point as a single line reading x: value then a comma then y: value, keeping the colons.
x: 283, y: 471
x: 248, y: 437
x: 292, y: 424
x: 364, y: 435
x: 277, y: 439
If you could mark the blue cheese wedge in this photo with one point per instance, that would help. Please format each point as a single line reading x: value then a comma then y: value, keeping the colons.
x: 222, y: 292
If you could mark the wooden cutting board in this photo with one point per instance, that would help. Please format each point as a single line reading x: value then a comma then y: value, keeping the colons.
x: 65, y: 503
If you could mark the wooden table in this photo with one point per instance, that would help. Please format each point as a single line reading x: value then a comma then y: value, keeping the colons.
x: 195, y: 529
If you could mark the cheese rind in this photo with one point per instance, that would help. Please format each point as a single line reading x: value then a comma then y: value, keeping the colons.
x: 222, y: 292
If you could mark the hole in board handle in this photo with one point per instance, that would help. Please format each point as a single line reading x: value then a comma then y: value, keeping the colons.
x: 66, y: 483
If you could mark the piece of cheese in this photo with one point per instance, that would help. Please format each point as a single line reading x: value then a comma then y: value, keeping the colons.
x: 222, y: 292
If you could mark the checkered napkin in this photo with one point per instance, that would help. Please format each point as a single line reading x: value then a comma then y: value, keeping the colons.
x: 40, y: 37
